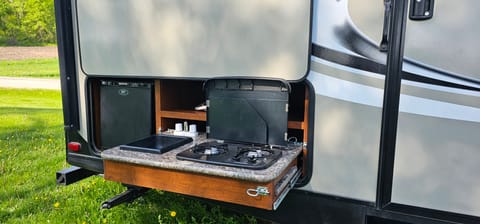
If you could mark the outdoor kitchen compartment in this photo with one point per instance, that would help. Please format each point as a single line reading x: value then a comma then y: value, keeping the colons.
x: 247, y: 124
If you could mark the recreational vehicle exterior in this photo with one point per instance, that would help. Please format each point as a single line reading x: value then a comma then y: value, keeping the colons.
x: 301, y: 111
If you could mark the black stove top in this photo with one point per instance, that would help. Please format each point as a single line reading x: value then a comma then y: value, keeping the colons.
x: 232, y: 154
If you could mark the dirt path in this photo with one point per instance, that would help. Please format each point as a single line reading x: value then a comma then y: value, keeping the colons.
x: 20, y: 53
x: 29, y: 83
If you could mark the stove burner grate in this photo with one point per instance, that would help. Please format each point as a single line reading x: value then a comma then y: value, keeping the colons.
x: 210, y: 149
x: 232, y: 154
x: 252, y: 154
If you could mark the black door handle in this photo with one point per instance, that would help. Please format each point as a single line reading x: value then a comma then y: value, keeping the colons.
x: 421, y: 9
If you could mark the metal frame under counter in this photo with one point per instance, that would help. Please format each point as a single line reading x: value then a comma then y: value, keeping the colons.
x: 256, y: 188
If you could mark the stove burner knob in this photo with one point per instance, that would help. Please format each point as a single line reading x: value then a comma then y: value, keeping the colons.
x: 252, y: 154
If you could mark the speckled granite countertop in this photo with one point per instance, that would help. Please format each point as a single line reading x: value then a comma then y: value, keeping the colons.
x: 168, y: 160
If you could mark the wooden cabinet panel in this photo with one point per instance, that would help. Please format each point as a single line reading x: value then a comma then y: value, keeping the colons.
x: 196, y: 184
x: 175, y: 100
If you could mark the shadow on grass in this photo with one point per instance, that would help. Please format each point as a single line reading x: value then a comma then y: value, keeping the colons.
x: 14, y: 119
x: 4, y: 111
x: 28, y: 138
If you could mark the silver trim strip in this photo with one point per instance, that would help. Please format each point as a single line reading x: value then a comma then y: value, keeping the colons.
x: 329, y: 85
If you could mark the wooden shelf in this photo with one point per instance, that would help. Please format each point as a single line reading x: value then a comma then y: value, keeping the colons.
x: 184, y: 114
x: 296, y: 124
x: 202, y: 116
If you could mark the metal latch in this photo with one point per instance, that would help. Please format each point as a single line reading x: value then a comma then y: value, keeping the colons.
x: 421, y: 9
x: 260, y: 191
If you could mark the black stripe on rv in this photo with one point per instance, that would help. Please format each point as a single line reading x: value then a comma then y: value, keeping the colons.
x: 375, y: 67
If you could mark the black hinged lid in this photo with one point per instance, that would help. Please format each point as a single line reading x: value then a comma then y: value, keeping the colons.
x: 245, y: 110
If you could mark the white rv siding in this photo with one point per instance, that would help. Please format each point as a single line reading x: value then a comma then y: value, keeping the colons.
x: 346, y: 139
x: 438, y: 137
x: 437, y: 150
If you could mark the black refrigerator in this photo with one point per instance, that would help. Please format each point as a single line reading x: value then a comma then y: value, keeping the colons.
x: 125, y: 112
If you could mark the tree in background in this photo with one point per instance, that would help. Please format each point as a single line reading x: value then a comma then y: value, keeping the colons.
x: 9, y: 21
x: 27, y: 22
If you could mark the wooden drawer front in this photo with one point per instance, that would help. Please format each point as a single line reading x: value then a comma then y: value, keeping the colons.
x: 195, y: 184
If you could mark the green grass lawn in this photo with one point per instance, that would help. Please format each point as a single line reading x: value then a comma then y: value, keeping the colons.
x: 32, y: 150
x: 35, y: 68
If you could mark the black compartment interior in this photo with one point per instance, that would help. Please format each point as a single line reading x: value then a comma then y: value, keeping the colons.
x: 235, y: 105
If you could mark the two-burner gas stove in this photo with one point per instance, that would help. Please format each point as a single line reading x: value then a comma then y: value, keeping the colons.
x: 253, y: 112
x: 232, y: 154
